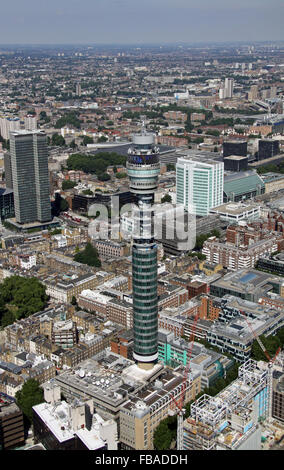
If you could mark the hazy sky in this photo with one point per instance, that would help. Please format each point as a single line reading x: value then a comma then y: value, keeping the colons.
x: 139, y: 21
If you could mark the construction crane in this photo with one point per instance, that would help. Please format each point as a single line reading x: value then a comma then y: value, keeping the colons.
x: 270, y: 365
x: 180, y: 402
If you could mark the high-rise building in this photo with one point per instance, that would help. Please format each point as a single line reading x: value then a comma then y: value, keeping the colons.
x: 29, y: 164
x: 8, y: 171
x: 6, y: 203
x: 78, y: 89
x: 229, y: 86
x: 7, y: 125
x: 235, y: 147
x: 143, y: 169
x: 199, y: 185
x: 253, y: 93
x: 30, y: 122
x: 267, y: 148
x: 226, y: 90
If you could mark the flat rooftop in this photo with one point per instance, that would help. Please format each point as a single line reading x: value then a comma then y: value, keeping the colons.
x: 234, y: 208
x: 235, y: 157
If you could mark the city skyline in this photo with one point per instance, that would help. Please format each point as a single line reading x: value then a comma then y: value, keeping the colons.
x: 115, y: 21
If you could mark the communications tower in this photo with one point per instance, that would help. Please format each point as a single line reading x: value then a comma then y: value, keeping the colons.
x: 143, y: 169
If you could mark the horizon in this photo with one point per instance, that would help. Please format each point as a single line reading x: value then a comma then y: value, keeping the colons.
x: 131, y: 21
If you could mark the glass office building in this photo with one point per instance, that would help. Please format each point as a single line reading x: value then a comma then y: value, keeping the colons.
x: 29, y: 167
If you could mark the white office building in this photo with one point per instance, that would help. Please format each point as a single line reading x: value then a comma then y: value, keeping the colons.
x: 199, y: 184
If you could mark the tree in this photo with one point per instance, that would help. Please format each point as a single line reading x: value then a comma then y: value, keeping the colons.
x: 88, y: 256
x: 58, y: 140
x: 271, y: 344
x: 103, y: 138
x: 162, y: 436
x: 88, y: 192
x: 67, y: 184
x: 30, y: 395
x: 166, y: 198
x: 87, y: 140
x: 121, y: 175
x: 73, y: 300
x: 171, y: 167
x: 64, y: 206
x: 68, y: 118
x: 95, y: 164
x: 42, y: 115
x: 103, y: 176
x: 22, y: 297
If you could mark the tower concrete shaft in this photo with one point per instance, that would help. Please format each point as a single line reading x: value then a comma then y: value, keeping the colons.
x: 143, y: 169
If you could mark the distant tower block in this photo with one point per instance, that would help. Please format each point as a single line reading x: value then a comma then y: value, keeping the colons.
x: 143, y: 169
x: 235, y: 147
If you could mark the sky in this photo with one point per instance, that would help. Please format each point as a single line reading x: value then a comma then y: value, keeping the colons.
x: 140, y: 21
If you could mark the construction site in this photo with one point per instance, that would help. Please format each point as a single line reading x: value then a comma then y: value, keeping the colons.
x: 246, y: 415
x: 240, y: 416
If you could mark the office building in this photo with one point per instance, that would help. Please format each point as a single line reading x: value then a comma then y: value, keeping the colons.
x: 236, y: 212
x: 199, y: 185
x: 143, y: 411
x: 242, y: 185
x: 62, y: 426
x: 29, y: 163
x: 278, y: 396
x: 8, y: 171
x: 174, y: 351
x: 235, y: 147
x: 11, y: 425
x: 232, y: 333
x: 143, y: 169
x: 235, y: 163
x: 267, y: 148
x: 272, y: 181
x: 273, y: 264
x: 248, y: 284
x: 6, y: 204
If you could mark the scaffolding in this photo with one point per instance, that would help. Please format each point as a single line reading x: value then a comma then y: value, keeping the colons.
x: 198, y: 436
x: 213, y: 412
x: 209, y: 410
